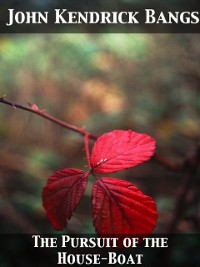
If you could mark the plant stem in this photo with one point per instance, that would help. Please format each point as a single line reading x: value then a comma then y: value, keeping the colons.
x: 184, y: 188
x: 87, y: 151
x: 170, y: 165
x: 43, y: 114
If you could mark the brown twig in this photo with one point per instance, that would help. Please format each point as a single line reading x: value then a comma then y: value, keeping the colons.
x: 43, y: 114
x: 184, y: 189
x: 34, y: 109
x: 87, y: 151
x: 171, y: 165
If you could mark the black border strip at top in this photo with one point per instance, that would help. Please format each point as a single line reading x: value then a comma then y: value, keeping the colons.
x: 152, y: 16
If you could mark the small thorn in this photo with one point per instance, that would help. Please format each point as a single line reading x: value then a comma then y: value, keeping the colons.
x: 35, y: 108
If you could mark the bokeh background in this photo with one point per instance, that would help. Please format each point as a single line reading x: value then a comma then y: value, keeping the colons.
x: 145, y: 82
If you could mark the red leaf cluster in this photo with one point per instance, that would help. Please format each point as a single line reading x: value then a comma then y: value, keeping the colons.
x: 118, y: 206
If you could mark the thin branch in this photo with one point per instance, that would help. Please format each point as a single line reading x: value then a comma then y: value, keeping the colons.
x: 185, y: 187
x: 43, y: 114
x: 87, y: 151
x: 171, y: 165
x: 34, y: 109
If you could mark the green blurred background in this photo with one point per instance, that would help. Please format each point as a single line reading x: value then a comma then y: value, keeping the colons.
x: 145, y: 82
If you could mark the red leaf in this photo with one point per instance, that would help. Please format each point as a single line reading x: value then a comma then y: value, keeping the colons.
x: 62, y: 193
x: 119, y: 150
x: 120, y: 208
